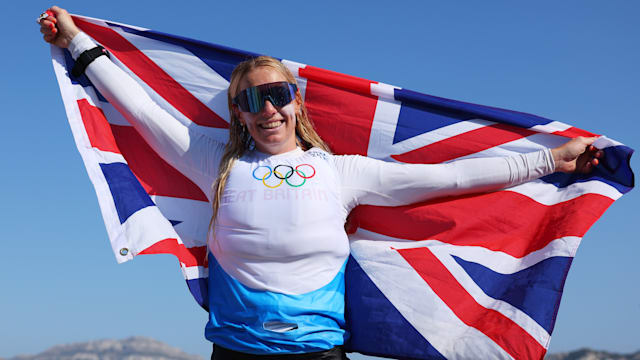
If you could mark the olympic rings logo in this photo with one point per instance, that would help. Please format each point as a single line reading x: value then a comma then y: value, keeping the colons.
x: 264, y: 175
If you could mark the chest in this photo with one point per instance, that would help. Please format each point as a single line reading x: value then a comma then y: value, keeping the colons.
x: 284, y: 193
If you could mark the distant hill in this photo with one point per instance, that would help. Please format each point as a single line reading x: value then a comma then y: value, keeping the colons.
x: 588, y: 354
x: 143, y: 348
x: 133, y: 348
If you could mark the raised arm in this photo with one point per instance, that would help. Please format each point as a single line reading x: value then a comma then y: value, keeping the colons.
x: 375, y: 182
x: 193, y: 153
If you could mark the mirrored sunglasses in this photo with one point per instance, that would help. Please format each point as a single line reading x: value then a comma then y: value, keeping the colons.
x: 278, y: 93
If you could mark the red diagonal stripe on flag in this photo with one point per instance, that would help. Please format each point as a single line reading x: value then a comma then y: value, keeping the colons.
x: 149, y: 72
x: 97, y: 127
x: 155, y: 175
x: 574, y: 132
x: 195, y: 256
x: 464, y: 144
x: 502, y: 330
x: 502, y: 221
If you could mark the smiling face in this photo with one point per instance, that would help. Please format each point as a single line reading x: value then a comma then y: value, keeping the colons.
x: 273, y: 128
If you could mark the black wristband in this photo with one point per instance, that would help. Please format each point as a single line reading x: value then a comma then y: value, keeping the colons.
x: 86, y: 58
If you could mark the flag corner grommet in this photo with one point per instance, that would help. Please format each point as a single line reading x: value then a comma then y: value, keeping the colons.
x: 124, y: 251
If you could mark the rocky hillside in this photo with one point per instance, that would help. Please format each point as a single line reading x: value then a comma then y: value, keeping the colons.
x: 133, y: 348
x: 142, y: 348
x: 588, y: 354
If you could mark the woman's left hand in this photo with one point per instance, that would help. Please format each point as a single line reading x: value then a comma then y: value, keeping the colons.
x: 58, y: 27
x: 577, y: 155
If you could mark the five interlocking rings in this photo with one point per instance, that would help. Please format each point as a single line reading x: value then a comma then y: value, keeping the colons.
x: 286, y: 177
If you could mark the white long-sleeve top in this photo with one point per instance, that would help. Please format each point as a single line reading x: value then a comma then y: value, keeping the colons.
x: 280, y: 222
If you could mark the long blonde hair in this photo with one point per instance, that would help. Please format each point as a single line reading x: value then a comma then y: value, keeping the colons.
x: 239, y: 138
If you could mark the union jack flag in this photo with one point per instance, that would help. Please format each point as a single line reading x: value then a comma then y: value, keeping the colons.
x: 467, y: 277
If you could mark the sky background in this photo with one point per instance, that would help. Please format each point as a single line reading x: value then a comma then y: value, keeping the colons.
x: 572, y: 61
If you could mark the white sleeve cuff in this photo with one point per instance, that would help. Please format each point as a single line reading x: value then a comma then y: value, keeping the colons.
x: 541, y: 163
x: 79, y: 44
x: 530, y: 166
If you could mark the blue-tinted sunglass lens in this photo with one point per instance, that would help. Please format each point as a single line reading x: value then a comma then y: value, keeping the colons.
x: 254, y: 99
x: 281, y: 96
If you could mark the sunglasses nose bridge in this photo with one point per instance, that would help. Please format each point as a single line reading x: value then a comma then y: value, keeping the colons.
x: 268, y: 104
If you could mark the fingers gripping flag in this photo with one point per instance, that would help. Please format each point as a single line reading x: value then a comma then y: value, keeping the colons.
x: 449, y: 278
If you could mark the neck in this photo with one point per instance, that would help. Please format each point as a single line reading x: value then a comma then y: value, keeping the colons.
x: 276, y: 149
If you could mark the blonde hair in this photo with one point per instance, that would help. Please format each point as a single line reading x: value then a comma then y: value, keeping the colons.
x: 239, y: 138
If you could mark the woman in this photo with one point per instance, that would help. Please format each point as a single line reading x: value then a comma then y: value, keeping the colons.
x: 277, y: 245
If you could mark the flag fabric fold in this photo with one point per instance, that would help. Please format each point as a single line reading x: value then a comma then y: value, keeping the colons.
x: 448, y: 278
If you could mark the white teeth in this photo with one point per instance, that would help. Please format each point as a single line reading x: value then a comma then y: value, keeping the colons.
x: 271, y: 125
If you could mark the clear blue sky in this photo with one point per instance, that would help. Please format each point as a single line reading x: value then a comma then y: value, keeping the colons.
x: 572, y: 61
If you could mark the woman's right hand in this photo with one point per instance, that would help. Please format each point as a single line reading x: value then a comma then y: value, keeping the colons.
x: 58, y: 29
